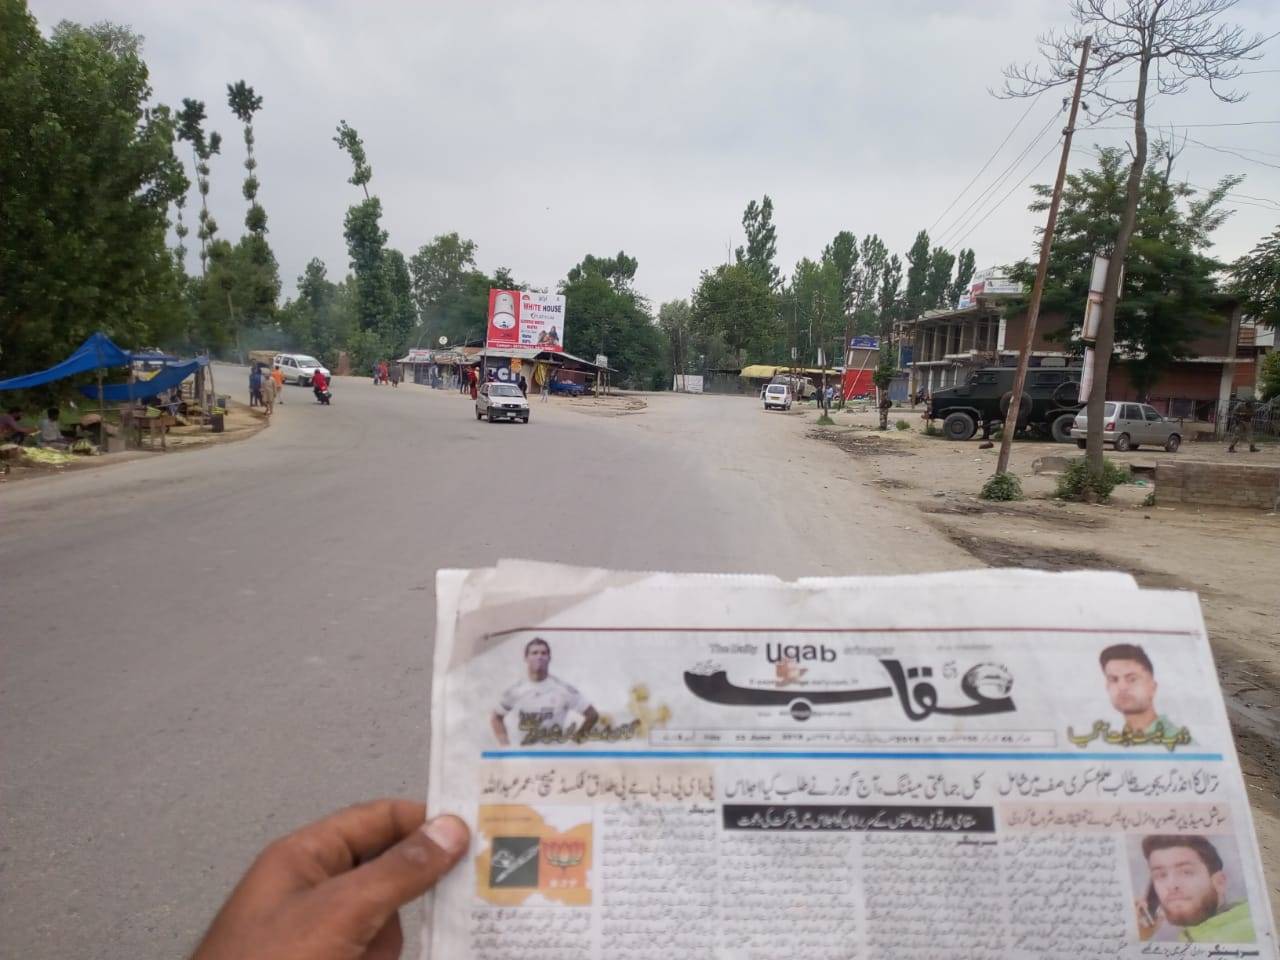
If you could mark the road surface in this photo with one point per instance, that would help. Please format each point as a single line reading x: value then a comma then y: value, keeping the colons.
x: 204, y: 649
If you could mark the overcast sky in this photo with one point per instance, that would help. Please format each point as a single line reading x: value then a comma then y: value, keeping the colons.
x: 548, y: 130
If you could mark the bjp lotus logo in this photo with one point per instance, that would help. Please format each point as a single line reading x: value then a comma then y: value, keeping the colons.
x: 564, y: 853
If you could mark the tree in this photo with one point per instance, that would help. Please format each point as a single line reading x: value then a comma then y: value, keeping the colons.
x: 761, y: 247
x: 366, y: 244
x: 1269, y: 377
x: 872, y: 254
x: 890, y: 310
x: 603, y: 315
x: 734, y: 301
x: 914, y: 299
x: 191, y: 128
x: 965, y: 264
x: 401, y: 315
x: 438, y: 269
x: 88, y: 173
x: 675, y: 320
x: 815, y: 292
x: 1255, y: 279
x: 1170, y: 286
x: 244, y: 103
x: 1171, y: 43
x: 938, y: 282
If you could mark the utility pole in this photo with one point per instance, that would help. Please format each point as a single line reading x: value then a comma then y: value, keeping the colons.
x: 1037, y: 290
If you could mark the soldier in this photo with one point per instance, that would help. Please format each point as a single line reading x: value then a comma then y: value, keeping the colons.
x: 1242, y: 426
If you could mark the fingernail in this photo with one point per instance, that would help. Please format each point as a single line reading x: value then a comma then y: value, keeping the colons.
x: 448, y: 833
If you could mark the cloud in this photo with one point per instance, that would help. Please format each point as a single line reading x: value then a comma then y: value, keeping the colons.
x: 547, y: 130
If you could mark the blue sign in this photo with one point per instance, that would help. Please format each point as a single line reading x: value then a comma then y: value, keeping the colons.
x: 864, y: 343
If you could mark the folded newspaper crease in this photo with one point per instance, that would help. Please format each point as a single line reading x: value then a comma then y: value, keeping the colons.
x: 995, y: 763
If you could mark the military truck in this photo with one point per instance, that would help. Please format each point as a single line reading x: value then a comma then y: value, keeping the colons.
x: 1049, y: 402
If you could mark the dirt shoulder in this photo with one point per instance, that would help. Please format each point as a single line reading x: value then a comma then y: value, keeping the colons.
x: 1227, y: 556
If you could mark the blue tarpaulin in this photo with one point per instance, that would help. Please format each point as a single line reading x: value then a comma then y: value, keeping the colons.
x: 96, y: 352
x: 168, y: 378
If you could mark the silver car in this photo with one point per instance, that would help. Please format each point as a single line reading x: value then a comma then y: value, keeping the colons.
x: 501, y: 401
x: 1128, y: 425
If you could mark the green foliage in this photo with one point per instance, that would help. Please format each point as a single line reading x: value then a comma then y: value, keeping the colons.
x: 1269, y: 376
x: 1149, y: 500
x: 734, y: 302
x: 825, y: 421
x: 815, y: 293
x: 603, y: 315
x: 938, y: 282
x: 931, y: 431
x: 761, y: 247
x: 886, y: 369
x: 872, y: 257
x: 1255, y: 278
x: 965, y: 264
x: 915, y: 297
x: 1169, y: 287
x: 902, y: 425
x: 1002, y: 487
x: 1078, y: 482
x: 87, y: 173
x: 890, y: 284
x: 349, y: 141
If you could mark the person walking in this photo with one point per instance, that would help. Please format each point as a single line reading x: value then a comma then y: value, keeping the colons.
x: 524, y: 386
x: 475, y: 384
x: 395, y: 374
x: 375, y: 373
x: 277, y: 375
x: 1242, y: 426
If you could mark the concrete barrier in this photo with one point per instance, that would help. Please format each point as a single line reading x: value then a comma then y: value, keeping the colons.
x: 1247, y: 486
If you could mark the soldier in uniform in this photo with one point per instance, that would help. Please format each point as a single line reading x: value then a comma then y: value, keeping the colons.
x: 1242, y: 427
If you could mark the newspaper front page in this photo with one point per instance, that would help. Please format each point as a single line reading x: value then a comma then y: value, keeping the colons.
x: 999, y: 764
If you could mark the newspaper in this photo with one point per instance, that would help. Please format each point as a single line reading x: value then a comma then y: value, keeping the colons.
x: 998, y: 764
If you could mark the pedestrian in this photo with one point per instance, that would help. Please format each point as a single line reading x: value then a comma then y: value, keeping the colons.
x: 1242, y: 426
x: 277, y: 377
x: 395, y: 374
x: 376, y: 371
x: 475, y: 384
x: 255, y: 385
x: 267, y: 395
x: 382, y: 371
x: 524, y: 386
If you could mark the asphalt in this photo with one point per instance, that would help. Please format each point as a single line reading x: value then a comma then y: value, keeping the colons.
x: 201, y: 650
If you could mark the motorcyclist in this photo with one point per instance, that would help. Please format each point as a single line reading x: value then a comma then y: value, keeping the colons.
x: 320, y: 386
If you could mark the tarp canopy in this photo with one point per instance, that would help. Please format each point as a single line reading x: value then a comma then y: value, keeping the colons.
x: 96, y: 352
x: 168, y: 378
x: 761, y: 371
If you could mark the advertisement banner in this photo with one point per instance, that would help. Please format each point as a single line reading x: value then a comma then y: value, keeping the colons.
x: 521, y: 319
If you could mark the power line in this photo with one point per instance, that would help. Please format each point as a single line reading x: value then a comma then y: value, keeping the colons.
x: 1032, y: 169
x: 1192, y: 126
x: 1207, y: 146
x: 972, y: 209
x: 994, y: 153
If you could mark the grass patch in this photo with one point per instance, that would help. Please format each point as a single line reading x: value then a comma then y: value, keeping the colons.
x: 825, y: 421
x: 931, y: 431
x: 1077, y: 482
x: 1003, y: 486
x: 902, y: 425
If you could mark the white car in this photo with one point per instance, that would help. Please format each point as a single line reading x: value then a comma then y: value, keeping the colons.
x: 1129, y: 425
x: 298, y: 367
x: 501, y: 401
x: 777, y: 395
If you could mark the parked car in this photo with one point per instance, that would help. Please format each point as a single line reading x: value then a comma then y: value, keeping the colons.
x: 298, y: 367
x: 1128, y: 425
x: 567, y: 388
x: 1048, y: 403
x: 777, y: 396
x: 501, y: 401
x: 802, y: 387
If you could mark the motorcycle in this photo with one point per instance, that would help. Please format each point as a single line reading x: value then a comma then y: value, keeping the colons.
x: 322, y: 396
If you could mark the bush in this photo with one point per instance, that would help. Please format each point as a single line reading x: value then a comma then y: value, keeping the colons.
x: 1003, y: 486
x: 1149, y: 500
x: 825, y: 421
x: 1078, y: 483
x: 1269, y: 376
x: 931, y: 431
x: 902, y: 425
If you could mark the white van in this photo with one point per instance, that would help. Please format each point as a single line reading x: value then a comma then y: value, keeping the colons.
x: 777, y: 395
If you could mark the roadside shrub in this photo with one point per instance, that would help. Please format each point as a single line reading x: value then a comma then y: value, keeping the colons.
x: 902, y: 425
x: 931, y: 431
x: 1149, y: 500
x: 1003, y: 486
x: 1078, y: 483
x: 825, y: 421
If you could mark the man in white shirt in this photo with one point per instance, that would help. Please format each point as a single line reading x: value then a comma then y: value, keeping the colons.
x: 541, y: 697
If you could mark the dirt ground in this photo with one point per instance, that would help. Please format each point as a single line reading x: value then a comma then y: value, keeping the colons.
x: 1227, y: 556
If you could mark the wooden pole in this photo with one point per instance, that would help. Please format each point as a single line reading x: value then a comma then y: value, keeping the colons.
x: 1037, y: 290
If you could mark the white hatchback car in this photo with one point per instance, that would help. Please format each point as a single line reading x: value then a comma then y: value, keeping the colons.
x: 298, y: 367
x: 501, y: 401
x: 1128, y: 425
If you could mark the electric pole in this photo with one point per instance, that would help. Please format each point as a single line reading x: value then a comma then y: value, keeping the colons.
x: 1037, y: 290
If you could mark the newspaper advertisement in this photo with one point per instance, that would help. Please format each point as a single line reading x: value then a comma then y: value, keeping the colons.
x: 999, y: 764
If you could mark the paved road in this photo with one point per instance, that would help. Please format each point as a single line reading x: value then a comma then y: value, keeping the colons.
x: 204, y: 649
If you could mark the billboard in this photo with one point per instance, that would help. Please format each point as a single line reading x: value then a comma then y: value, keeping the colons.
x: 519, y: 319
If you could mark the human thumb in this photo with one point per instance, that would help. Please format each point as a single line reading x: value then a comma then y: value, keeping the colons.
x: 366, y: 897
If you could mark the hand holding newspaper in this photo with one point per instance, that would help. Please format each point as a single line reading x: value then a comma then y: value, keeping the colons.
x: 997, y: 764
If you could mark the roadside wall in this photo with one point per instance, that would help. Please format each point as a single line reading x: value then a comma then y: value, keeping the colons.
x: 1218, y: 484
